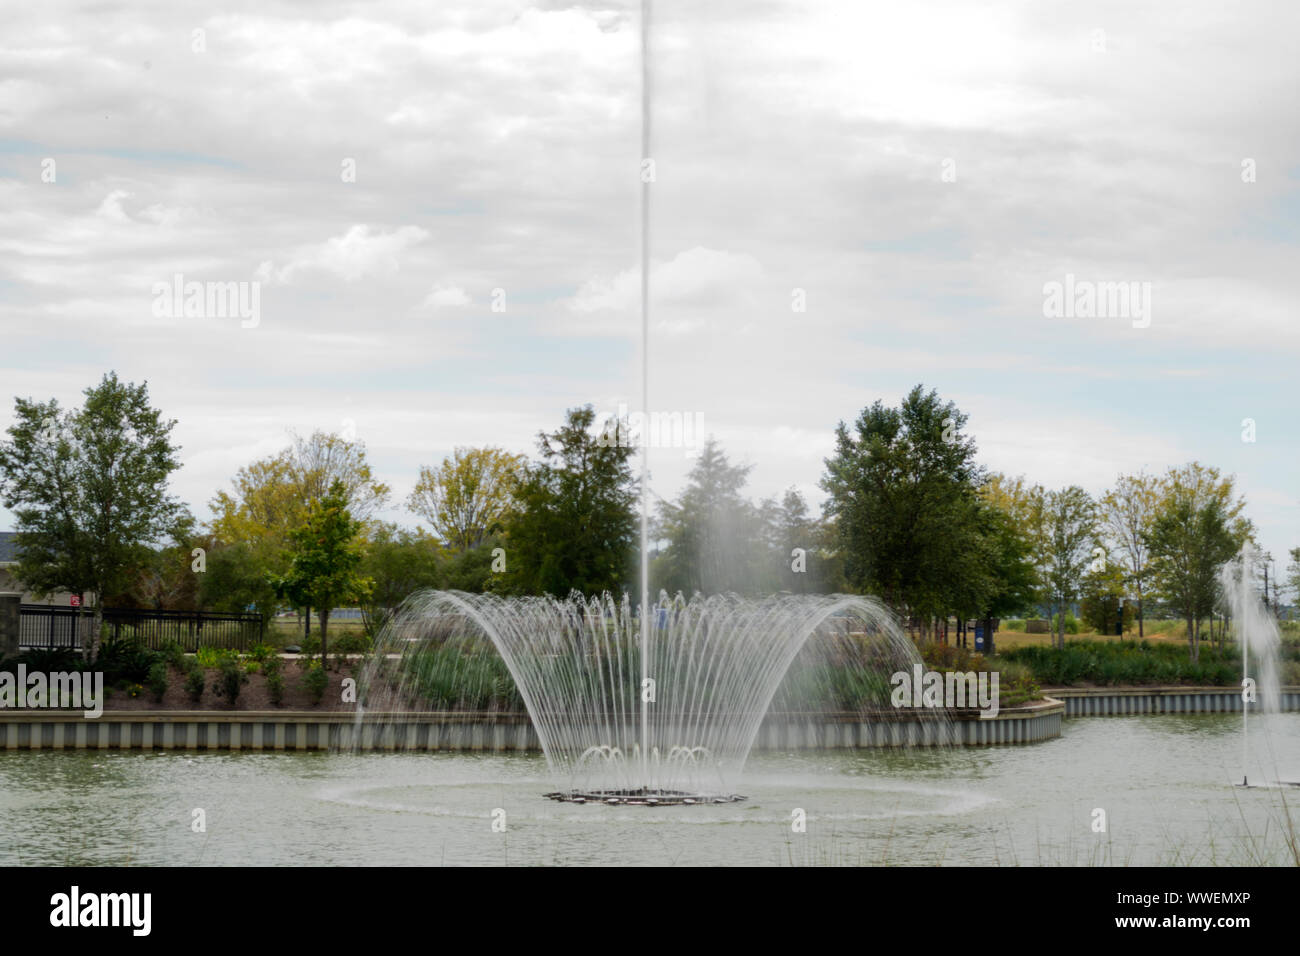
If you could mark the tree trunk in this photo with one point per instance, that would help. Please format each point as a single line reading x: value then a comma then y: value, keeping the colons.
x: 97, y: 625
x: 306, y: 622
x: 1191, y: 639
x: 1141, y: 633
x: 324, y: 623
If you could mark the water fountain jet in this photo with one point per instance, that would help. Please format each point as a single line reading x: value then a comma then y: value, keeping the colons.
x: 1257, y: 633
x: 679, y: 735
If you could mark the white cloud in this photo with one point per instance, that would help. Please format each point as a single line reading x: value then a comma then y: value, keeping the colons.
x: 443, y: 297
x: 357, y: 254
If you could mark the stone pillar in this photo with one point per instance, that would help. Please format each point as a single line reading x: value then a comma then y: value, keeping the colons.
x: 10, y: 611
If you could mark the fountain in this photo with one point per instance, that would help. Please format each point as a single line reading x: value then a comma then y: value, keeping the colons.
x: 678, y: 735
x: 1257, y: 632
x: 648, y: 708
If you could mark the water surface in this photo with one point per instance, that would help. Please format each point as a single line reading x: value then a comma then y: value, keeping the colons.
x: 1164, y: 782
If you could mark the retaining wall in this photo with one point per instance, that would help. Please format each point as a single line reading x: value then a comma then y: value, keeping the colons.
x: 1118, y: 702
x: 279, y: 730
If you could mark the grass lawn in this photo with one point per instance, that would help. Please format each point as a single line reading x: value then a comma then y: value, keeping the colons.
x: 1005, y: 640
x: 282, y: 631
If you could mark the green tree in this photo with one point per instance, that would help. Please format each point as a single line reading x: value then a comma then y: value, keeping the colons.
x: 325, y: 558
x: 168, y: 579
x: 1008, y: 553
x: 903, y: 498
x: 577, y: 524
x: 1197, y: 530
x: 1104, y: 590
x: 400, y: 563
x: 1126, y: 513
x: 1067, y: 532
x: 477, y: 569
x: 469, y: 496
x: 790, y: 525
x: 713, y: 531
x: 88, y: 489
x: 271, y: 497
x: 240, y: 576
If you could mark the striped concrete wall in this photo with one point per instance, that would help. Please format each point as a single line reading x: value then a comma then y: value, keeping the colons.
x: 252, y: 731
x: 1020, y: 725
x: 1116, y: 702
x: 204, y: 730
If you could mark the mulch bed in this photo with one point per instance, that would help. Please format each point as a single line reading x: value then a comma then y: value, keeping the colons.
x: 253, y: 696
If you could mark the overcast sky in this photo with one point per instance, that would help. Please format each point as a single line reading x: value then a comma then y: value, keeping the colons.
x: 921, y: 171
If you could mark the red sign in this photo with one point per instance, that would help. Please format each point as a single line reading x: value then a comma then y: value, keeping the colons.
x: 75, y: 600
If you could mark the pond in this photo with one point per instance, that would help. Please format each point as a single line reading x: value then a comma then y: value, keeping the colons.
x: 1165, y: 784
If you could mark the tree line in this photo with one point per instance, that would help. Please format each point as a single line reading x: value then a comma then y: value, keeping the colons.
x: 910, y: 515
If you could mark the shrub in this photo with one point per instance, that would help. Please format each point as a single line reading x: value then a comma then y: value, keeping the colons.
x: 172, y: 652
x: 272, y: 668
x: 275, y: 687
x: 231, y: 677
x: 262, y: 653
x: 1071, y: 623
x: 950, y: 657
x: 357, y: 642
x: 158, y: 678
x: 315, y: 681
x: 125, y: 659
x: 195, y: 681
x: 48, y: 660
x: 213, y: 656
x: 1013, y: 624
x: 1016, y: 684
x: 1127, y: 662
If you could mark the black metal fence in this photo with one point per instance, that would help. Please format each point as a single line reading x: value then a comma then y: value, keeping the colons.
x: 42, y: 626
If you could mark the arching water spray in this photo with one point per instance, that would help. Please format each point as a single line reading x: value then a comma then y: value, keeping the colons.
x: 718, y: 663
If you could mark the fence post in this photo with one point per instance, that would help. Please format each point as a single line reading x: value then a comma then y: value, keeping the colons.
x: 10, y: 622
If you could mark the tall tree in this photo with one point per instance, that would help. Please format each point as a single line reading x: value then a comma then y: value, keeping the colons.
x: 325, y: 558
x: 903, y: 498
x: 1009, y: 559
x: 576, y: 525
x: 713, y: 531
x: 1066, y: 539
x: 88, y: 489
x: 791, y: 526
x: 469, y: 496
x: 1019, y: 506
x: 1126, y: 513
x: 1198, y: 527
x: 272, y: 497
